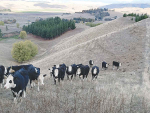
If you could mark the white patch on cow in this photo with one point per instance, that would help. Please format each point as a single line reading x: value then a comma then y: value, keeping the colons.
x: 94, y: 71
x: 92, y: 62
x: 119, y: 64
x: 106, y: 65
x: 56, y: 72
x: 36, y: 70
x: 57, y: 66
x: 10, y: 82
x: 5, y: 70
x: 78, y: 71
x: 70, y: 68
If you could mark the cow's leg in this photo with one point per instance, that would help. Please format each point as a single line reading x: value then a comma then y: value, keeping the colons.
x: 1, y: 85
x: 38, y: 85
x: 118, y: 68
x: 54, y: 81
x: 71, y: 76
x: 31, y: 83
x: 24, y: 93
x: 59, y: 80
x: 67, y: 77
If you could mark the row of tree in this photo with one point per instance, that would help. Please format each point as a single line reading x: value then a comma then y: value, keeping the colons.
x: 99, y: 13
x: 78, y: 20
x: 137, y: 16
x: 1, y: 34
x: 50, y: 28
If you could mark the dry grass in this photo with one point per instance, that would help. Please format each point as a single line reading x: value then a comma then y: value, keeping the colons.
x: 77, y: 97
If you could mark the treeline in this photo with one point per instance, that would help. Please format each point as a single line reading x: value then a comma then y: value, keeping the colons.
x: 99, y: 13
x: 50, y: 28
x: 78, y: 20
x: 5, y: 10
x: 137, y: 16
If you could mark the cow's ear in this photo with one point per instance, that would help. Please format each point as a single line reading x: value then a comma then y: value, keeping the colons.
x: 15, y: 78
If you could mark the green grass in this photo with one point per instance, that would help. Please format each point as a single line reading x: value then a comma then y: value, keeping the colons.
x: 12, y: 37
x: 92, y: 24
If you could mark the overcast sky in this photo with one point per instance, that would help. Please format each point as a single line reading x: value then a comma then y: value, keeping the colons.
x: 104, y: 1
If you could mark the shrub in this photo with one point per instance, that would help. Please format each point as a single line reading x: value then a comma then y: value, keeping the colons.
x: 1, y: 23
x: 124, y: 15
x: 23, y: 34
x: 24, y: 51
x: 17, y: 25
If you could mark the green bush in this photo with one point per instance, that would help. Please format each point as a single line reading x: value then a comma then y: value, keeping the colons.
x: 24, y: 51
x: 23, y: 34
x: 92, y: 24
x: 1, y: 23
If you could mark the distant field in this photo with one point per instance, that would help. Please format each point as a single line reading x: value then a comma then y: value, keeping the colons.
x: 40, y: 11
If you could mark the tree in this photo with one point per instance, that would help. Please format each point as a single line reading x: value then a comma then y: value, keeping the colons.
x: 6, y: 28
x: 124, y: 15
x: 0, y: 33
x: 17, y: 25
x: 23, y: 34
x: 24, y: 51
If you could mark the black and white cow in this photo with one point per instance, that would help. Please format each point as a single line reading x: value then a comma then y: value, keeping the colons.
x: 35, y: 76
x: 104, y: 65
x: 3, y: 72
x: 33, y: 73
x: 17, y: 82
x: 71, y: 70
x: 59, y: 73
x: 91, y: 62
x: 116, y: 64
x: 95, y: 72
x: 83, y: 71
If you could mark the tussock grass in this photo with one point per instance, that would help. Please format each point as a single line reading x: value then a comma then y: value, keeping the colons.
x: 76, y: 97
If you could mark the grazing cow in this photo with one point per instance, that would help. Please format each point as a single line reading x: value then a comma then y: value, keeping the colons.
x: 3, y: 72
x: 51, y: 70
x: 59, y: 73
x: 17, y: 82
x: 91, y: 62
x: 104, y: 65
x: 83, y: 70
x: 95, y: 72
x: 116, y: 64
x: 71, y: 70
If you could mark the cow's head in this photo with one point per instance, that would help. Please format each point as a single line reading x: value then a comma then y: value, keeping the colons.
x: 70, y: 68
x: 11, y: 70
x: 78, y: 71
x: 94, y: 71
x: 119, y: 64
x: 10, y: 82
x: 56, y: 72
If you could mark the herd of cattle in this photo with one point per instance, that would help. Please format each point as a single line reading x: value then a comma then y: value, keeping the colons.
x: 17, y: 77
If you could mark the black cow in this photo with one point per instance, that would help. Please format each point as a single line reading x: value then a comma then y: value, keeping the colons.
x: 3, y: 72
x: 17, y: 82
x: 91, y: 62
x: 83, y: 70
x: 104, y: 65
x: 95, y: 72
x: 59, y: 73
x: 71, y: 70
x: 116, y: 64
